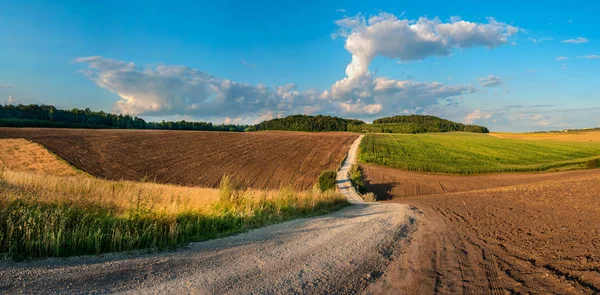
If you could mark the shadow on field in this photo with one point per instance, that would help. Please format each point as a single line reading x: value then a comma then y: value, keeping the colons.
x: 383, y: 191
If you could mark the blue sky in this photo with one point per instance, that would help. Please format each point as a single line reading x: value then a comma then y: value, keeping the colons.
x: 510, y: 65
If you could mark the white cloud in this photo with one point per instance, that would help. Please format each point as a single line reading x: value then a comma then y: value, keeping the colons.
x: 576, y: 40
x: 5, y: 87
x: 172, y: 90
x: 477, y: 115
x: 562, y: 58
x: 540, y: 40
x: 168, y: 90
x: 341, y: 10
x: 10, y: 100
x: 593, y: 56
x: 360, y: 108
x: 386, y: 35
x: 490, y: 81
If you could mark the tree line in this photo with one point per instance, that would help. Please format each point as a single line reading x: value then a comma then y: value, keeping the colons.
x: 424, y: 123
x: 48, y: 116
x: 308, y: 123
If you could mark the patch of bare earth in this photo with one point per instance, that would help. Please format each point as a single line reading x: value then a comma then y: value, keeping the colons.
x: 541, y: 236
x: 389, y: 183
x: 262, y: 160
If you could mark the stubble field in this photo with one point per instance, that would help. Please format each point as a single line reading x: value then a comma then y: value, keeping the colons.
x: 261, y: 160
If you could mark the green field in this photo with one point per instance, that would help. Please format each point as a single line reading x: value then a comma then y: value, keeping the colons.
x: 468, y: 153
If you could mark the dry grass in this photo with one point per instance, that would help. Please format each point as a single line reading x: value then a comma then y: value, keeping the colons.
x: 116, y: 196
x: 588, y: 136
x: 24, y: 156
x: 72, y: 213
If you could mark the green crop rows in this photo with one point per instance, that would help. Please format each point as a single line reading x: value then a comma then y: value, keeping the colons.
x: 467, y: 153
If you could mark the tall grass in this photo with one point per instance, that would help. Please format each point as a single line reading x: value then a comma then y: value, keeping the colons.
x: 467, y: 153
x: 45, y: 216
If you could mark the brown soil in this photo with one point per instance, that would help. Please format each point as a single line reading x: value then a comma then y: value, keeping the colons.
x: 194, y: 158
x: 389, y: 183
x: 538, y: 237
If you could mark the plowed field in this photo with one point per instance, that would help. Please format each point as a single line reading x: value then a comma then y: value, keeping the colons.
x: 541, y: 238
x: 259, y: 159
x: 389, y: 183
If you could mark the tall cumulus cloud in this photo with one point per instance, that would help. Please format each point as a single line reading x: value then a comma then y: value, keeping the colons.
x: 180, y: 90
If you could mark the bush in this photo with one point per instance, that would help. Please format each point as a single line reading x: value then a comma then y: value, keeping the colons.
x: 592, y: 164
x: 369, y: 197
x: 327, y: 180
x: 356, y: 179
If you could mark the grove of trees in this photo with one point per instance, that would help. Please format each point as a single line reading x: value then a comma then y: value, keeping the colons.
x: 308, y: 123
x: 48, y: 116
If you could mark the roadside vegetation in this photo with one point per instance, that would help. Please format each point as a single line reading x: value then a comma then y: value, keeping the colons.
x: 467, y: 153
x: 48, y: 209
x: 52, y: 216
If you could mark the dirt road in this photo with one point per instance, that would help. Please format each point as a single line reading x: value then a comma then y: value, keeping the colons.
x: 342, y: 252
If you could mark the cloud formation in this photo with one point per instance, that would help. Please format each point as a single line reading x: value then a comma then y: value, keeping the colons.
x: 593, y: 56
x: 477, y: 115
x: 576, y: 40
x: 8, y: 101
x: 179, y: 90
x: 5, y: 87
x: 490, y: 81
x: 386, y: 35
x: 173, y: 90
x: 562, y: 58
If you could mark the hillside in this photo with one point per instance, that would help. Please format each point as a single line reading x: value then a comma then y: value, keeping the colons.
x: 417, y: 124
x: 261, y: 160
x: 466, y: 153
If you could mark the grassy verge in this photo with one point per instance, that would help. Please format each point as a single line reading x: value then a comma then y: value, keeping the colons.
x: 467, y: 153
x: 46, y: 216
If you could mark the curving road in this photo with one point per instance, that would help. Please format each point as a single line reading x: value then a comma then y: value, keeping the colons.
x: 343, y: 252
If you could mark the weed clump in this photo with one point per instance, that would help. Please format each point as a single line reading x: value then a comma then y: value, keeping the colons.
x: 593, y: 164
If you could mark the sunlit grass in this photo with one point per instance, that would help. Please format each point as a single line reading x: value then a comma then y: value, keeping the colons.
x: 52, y: 216
x: 466, y: 153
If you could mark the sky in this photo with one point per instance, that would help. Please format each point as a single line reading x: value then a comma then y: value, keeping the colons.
x: 509, y: 65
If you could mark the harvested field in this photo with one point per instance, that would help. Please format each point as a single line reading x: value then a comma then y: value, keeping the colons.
x: 527, y: 239
x: 262, y: 160
x: 389, y: 183
x: 24, y: 156
x: 588, y: 136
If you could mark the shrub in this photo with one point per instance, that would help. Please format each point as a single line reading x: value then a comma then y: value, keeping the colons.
x: 327, y: 180
x: 369, y: 197
x: 592, y: 164
x: 356, y: 176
